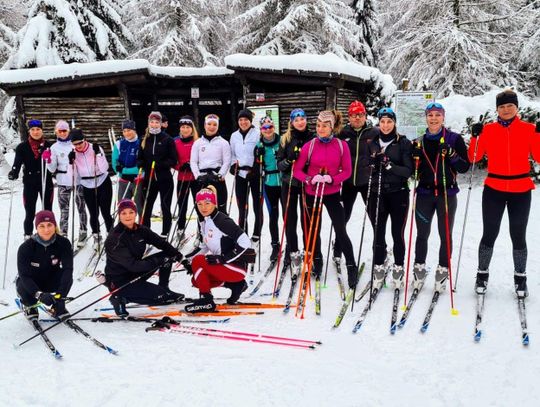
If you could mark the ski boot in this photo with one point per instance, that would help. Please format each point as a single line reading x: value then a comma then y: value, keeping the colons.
x: 236, y: 291
x: 520, y: 284
x: 336, y: 254
x: 419, y: 275
x: 481, y: 281
x: 397, y: 277
x: 31, y: 313
x: 275, y: 252
x: 296, y: 262
x: 441, y: 276
x: 379, y: 274
x: 317, y: 267
x: 82, y: 239
x: 204, y: 304
x: 119, y: 305
x: 59, y: 310
x: 352, y: 275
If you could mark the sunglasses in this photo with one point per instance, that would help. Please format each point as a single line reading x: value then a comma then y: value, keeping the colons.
x: 267, y: 126
x: 434, y: 105
x: 77, y: 143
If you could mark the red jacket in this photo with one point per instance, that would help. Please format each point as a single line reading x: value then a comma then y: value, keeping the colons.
x: 508, y: 150
x: 183, y: 151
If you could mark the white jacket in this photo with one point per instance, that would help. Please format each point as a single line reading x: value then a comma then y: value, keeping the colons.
x: 243, y: 149
x: 60, y: 163
x: 207, y: 154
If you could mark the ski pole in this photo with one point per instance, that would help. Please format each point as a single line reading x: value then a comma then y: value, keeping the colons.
x: 96, y: 200
x: 233, y: 187
x: 261, y: 198
x: 137, y: 182
x: 328, y: 254
x: 448, y: 236
x: 43, y: 180
x: 8, y: 232
x: 141, y: 220
x: 413, y: 213
x: 73, y: 203
x: 375, y: 233
x: 177, y: 206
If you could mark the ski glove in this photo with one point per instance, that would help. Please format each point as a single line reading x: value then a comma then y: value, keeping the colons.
x: 293, y: 154
x: 187, y: 266
x: 119, y: 168
x: 447, y: 149
x: 185, y: 167
x: 234, y: 169
x: 12, y: 175
x: 317, y: 179
x: 214, y: 258
x: 100, y: 277
x: 71, y: 157
x: 417, y: 151
x: 476, y: 129
x: 537, y: 127
x: 46, y: 156
x: 259, y: 154
x: 46, y: 298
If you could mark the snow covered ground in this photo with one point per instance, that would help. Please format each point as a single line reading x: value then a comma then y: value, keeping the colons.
x: 443, y: 367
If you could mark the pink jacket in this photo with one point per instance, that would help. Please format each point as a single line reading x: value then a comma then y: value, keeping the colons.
x: 84, y: 164
x: 335, y: 159
x: 183, y: 151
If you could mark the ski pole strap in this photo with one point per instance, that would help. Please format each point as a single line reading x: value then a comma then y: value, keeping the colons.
x: 508, y: 177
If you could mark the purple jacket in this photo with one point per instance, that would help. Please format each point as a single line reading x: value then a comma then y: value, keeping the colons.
x: 331, y: 156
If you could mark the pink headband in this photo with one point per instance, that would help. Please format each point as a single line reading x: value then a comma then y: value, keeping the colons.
x: 206, y: 195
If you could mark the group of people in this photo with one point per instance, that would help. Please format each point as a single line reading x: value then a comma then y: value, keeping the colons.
x: 295, y: 171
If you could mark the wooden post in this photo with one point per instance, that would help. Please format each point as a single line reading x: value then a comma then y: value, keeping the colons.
x: 123, y: 93
x: 331, y: 97
x: 404, y: 84
x: 234, y: 102
x: 21, y: 117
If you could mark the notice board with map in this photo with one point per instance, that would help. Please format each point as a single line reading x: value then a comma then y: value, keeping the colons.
x: 410, y: 107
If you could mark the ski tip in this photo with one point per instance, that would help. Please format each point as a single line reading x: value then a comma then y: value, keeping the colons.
x: 424, y: 328
x: 393, y: 329
x: 525, y: 340
x: 401, y: 323
x: 16, y: 346
x: 477, y: 336
x: 455, y: 312
x: 311, y: 347
x: 112, y: 351
x: 57, y: 355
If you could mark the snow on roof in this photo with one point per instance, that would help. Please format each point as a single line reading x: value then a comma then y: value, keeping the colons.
x: 328, y: 62
x: 77, y: 70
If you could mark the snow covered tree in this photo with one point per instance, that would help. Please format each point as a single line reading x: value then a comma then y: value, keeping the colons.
x: 450, y: 46
x: 65, y: 31
x: 365, y: 16
x: 183, y: 33
x: 275, y: 27
x: 528, y: 59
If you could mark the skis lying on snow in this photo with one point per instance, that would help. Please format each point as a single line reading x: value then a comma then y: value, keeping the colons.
x: 170, y: 325
x: 368, y: 306
x: 35, y: 324
x: 348, y: 299
x: 267, y: 272
x: 410, y: 304
x: 318, y: 296
x: 339, y: 274
x: 175, y: 313
x: 523, y: 320
x: 219, y: 307
x: 395, y: 306
x: 480, y: 299
x: 294, y: 281
x: 427, y: 319
x: 90, y: 266
x: 140, y: 319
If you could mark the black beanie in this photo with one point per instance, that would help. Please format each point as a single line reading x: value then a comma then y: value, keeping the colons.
x: 186, y: 120
x: 507, y: 96
x: 76, y: 135
x: 164, y: 118
x: 246, y: 113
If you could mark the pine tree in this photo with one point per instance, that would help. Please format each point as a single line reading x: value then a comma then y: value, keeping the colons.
x: 181, y: 33
x: 528, y: 58
x: 366, y: 17
x: 276, y: 27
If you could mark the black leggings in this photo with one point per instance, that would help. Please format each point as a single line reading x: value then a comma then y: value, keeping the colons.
x: 272, y: 197
x: 241, y: 192
x: 103, y: 196
x: 182, y: 191
x: 426, y: 206
x: 337, y: 216
x: 493, y: 204
x: 394, y: 205
x: 348, y: 197
x: 295, y: 204
x: 30, y: 196
x: 165, y: 186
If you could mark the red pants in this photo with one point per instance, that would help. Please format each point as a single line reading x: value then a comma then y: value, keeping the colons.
x: 207, y: 276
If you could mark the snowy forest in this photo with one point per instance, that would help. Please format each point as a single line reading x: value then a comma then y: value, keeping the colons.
x: 450, y: 46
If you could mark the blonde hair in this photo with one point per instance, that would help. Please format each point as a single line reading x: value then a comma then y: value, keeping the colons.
x: 214, y: 190
x: 143, y: 141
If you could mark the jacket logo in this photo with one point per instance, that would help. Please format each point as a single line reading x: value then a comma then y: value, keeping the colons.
x: 202, y: 149
x: 54, y: 261
x: 33, y: 264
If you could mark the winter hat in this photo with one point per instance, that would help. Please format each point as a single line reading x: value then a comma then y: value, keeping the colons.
x: 35, y: 123
x: 206, y: 194
x: 246, y: 113
x: 126, y: 204
x: 61, y: 125
x: 76, y: 134
x: 44, y: 216
x: 357, y: 107
x: 386, y: 112
x: 155, y: 116
x: 266, y: 120
x: 211, y: 118
x: 186, y: 121
x: 164, y: 118
x: 297, y: 113
x: 507, y: 96
x: 435, y: 107
x: 128, y: 124
x: 327, y: 116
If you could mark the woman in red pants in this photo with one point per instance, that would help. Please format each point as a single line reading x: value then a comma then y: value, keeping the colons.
x: 222, y: 258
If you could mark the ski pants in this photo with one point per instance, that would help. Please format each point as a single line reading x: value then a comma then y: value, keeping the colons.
x: 64, y: 199
x: 333, y: 206
x: 183, y: 188
x: 243, y: 188
x: 493, y: 205
x: 99, y: 200
x: 207, y: 276
x: 31, y: 191
x: 393, y: 205
x: 426, y: 206
x: 126, y: 190
x: 164, y: 186
x: 348, y: 197
x: 272, y: 197
x: 294, y: 194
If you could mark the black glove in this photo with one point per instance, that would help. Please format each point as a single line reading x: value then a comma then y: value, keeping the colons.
x: 234, y: 169
x: 178, y: 258
x: 203, y: 180
x: 213, y: 178
x: 259, y: 153
x: 417, y: 151
x: 95, y: 147
x: 46, y: 298
x: 380, y: 158
x: 12, y: 175
x: 185, y: 167
x: 41, y: 148
x: 537, y: 127
x: 445, y: 148
x: 187, y: 266
x: 292, y: 154
x: 214, y: 258
x: 476, y: 129
x: 71, y: 157
x: 119, y: 168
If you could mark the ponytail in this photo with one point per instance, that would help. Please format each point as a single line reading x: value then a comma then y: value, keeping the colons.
x: 338, y: 126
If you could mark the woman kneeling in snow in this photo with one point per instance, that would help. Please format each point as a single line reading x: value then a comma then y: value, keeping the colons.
x: 222, y: 258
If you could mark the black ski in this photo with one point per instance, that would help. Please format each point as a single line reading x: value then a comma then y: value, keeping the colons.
x: 294, y: 281
x: 427, y: 319
x: 368, y: 306
x: 339, y: 274
x: 286, y: 266
x: 480, y: 298
x: 410, y: 304
x: 267, y: 272
x: 523, y: 320
x: 318, y: 296
x: 395, y: 305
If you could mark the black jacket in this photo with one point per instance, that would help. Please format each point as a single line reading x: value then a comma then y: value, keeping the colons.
x: 395, y: 176
x: 24, y: 156
x: 161, y: 149
x: 39, y: 265
x: 125, y: 249
x: 358, y: 141
x: 298, y: 139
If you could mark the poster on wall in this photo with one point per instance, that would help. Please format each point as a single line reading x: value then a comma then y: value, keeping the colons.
x: 271, y: 111
x: 410, y: 107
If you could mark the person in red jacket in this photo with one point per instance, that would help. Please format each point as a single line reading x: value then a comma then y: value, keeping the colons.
x: 508, y: 144
x: 186, y: 180
x: 326, y: 160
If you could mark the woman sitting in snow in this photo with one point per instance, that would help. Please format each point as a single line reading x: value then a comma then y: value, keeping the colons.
x: 222, y: 258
